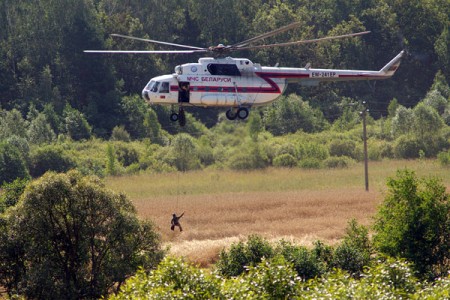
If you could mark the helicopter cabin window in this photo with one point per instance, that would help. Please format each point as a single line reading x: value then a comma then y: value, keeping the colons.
x: 164, y: 87
x: 224, y: 69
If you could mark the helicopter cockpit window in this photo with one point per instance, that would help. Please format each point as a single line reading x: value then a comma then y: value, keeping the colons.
x: 154, y: 87
x: 224, y: 69
x: 179, y: 70
x: 164, y: 87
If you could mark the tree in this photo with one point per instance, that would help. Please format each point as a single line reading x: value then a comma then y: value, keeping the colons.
x: 76, y: 124
x: 12, y: 165
x: 40, y: 131
x: 70, y: 238
x: 414, y: 223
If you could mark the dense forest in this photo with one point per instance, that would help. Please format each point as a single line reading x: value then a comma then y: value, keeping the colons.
x: 43, y: 66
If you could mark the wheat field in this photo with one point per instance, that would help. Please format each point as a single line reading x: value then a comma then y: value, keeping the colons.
x: 222, y: 207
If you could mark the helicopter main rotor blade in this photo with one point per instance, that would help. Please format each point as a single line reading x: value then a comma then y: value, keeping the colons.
x: 304, y: 41
x: 265, y: 35
x: 156, y: 42
x: 145, y: 51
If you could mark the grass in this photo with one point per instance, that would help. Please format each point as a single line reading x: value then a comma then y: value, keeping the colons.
x: 295, y: 204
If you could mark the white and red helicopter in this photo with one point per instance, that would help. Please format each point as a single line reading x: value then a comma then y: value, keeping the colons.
x: 238, y: 83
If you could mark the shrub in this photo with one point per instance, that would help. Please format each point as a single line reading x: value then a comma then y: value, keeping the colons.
x: 304, y: 262
x: 343, y: 147
x: 273, y: 279
x: 285, y: 160
x: 126, y: 154
x: 444, y: 158
x: 120, y: 134
x: 240, y: 255
x: 250, y: 156
x: 172, y: 279
x: 413, y: 222
x: 50, y: 158
x: 350, y: 258
x: 408, y: 147
x: 310, y: 163
x: 338, y: 162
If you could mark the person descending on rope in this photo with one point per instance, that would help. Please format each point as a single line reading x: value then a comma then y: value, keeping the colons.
x: 175, y: 221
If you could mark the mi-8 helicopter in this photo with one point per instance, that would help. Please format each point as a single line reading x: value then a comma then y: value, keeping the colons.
x: 237, y: 83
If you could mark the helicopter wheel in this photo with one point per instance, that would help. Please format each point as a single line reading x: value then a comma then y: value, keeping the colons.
x: 231, y: 114
x: 173, y: 117
x: 182, y: 117
x: 242, y: 113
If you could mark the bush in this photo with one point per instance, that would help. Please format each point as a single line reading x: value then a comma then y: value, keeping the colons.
x: 343, y: 147
x: 173, y: 279
x: 310, y: 163
x: 285, y: 160
x: 250, y: 156
x: 444, y: 158
x: 120, y: 134
x: 50, y: 158
x: 304, y: 262
x: 338, y: 162
x: 272, y: 279
x: 413, y: 223
x: 408, y: 147
x: 240, y: 255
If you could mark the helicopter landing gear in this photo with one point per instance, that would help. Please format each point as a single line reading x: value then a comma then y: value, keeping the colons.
x: 180, y: 116
x: 241, y: 113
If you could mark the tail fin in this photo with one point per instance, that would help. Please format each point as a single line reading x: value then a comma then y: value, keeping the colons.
x: 392, y: 66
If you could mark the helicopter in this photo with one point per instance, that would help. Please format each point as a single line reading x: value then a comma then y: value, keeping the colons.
x: 237, y: 83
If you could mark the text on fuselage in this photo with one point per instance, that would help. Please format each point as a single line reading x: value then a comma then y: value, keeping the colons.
x: 324, y: 74
x: 208, y: 79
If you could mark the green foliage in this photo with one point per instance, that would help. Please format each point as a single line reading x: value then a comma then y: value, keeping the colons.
x: 40, y: 131
x: 353, y: 254
x: 284, y: 160
x: 172, y: 279
x: 50, y: 158
x: 333, y: 162
x: 290, y: 114
x: 69, y: 237
x: 305, y: 262
x: 110, y: 160
x: 444, y: 158
x: 249, y: 156
x: 343, y: 147
x: 272, y: 279
x: 413, y: 222
x: 183, y: 153
x: 76, y: 125
x: 120, y: 134
x: 234, y: 261
x: 12, y: 164
x: 407, y: 146
x: 11, y: 193
x: 12, y: 123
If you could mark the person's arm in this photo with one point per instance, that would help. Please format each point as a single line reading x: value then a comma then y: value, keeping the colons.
x: 181, y: 215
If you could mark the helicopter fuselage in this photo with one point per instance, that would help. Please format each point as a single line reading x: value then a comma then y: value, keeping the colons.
x: 238, y: 82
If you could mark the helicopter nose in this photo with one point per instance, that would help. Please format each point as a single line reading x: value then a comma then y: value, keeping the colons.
x: 145, y: 95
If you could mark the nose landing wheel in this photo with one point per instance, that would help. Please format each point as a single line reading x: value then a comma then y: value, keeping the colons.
x: 180, y: 117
